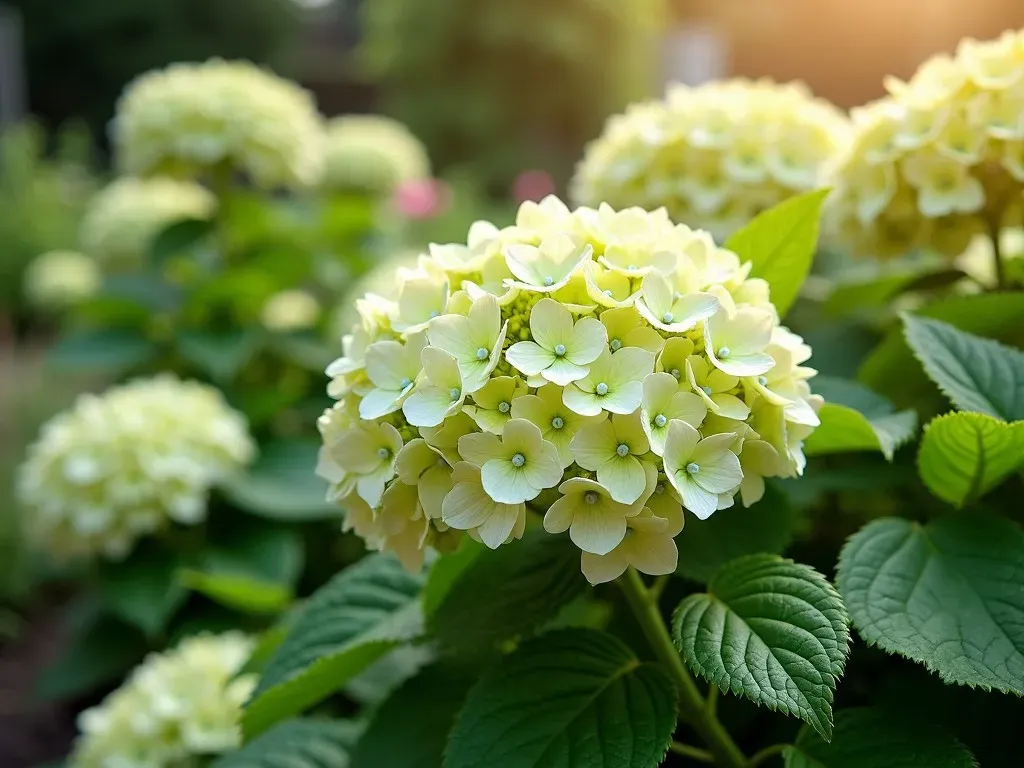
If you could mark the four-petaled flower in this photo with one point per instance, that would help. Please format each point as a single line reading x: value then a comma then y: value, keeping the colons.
x: 392, y: 368
x: 735, y: 343
x: 560, y: 351
x: 515, y: 467
x: 700, y: 469
x: 475, y: 340
x: 558, y: 424
x: 613, y: 449
x: 662, y: 403
x: 492, y: 403
x: 468, y: 507
x: 670, y: 310
x: 368, y: 453
x: 713, y: 387
x: 649, y: 546
x: 613, y: 383
x: 424, y: 467
x: 549, y: 266
x: 441, y: 395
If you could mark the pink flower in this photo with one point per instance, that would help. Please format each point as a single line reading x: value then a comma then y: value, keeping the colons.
x: 422, y: 198
x: 533, y: 185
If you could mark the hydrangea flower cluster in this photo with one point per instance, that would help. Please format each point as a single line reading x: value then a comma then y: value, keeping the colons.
x: 58, y: 279
x: 176, y: 708
x: 940, y: 159
x: 372, y: 153
x: 125, y: 216
x: 191, y: 119
x: 606, y: 368
x: 715, y: 155
x: 124, y: 464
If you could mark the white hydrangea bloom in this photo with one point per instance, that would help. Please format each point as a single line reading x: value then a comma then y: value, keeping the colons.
x: 715, y: 155
x: 176, y: 708
x: 126, y: 463
x: 606, y: 368
x: 372, y: 153
x: 58, y: 279
x: 190, y: 119
x: 940, y: 159
x: 125, y: 216
x: 291, y: 310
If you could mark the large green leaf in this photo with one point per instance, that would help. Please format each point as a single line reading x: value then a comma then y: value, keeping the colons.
x: 947, y: 594
x: 142, y: 589
x: 879, y: 738
x: 864, y: 295
x: 569, y: 698
x: 844, y: 429
x: 102, y: 351
x: 298, y: 743
x: 179, y: 237
x: 247, y: 594
x: 446, y: 570
x: 348, y: 623
x: 706, y: 545
x: 780, y: 244
x: 977, y: 374
x: 509, y: 592
x: 282, y: 484
x: 965, y: 455
x: 892, y: 369
x: 772, y: 630
x: 411, y: 728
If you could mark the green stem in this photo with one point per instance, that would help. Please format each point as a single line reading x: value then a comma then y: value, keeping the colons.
x: 997, y: 257
x: 711, y: 705
x: 693, y: 711
x: 694, y: 753
x: 764, y: 754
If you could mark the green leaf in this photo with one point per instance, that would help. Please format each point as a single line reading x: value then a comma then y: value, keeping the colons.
x: 965, y: 455
x: 446, y: 570
x: 772, y: 630
x: 148, y: 292
x: 347, y: 624
x: 780, y: 244
x: 242, y: 593
x: 509, y: 592
x: 868, y: 295
x: 300, y: 743
x: 379, y: 680
x: 100, y: 653
x: 879, y: 738
x: 178, y: 238
x: 706, y: 545
x: 892, y: 369
x: 977, y: 374
x: 411, y: 728
x: 844, y: 429
x: 573, y: 697
x: 220, y: 356
x: 142, y: 589
x: 101, y: 351
x: 282, y: 484
x: 852, y: 394
x: 947, y: 595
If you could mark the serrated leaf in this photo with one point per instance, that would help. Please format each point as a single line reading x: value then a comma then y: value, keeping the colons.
x: 879, y: 738
x: 780, y: 244
x: 509, y: 592
x: 891, y: 368
x: 706, y: 545
x: 844, y: 429
x: 142, y: 589
x: 947, y: 595
x: 965, y: 455
x: 769, y: 629
x: 347, y: 624
x: 301, y: 743
x: 282, y: 484
x: 569, y: 698
x: 976, y: 373
x: 411, y: 727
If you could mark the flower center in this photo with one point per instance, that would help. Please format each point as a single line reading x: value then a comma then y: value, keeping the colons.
x: 677, y: 295
x: 590, y: 497
x: 518, y: 460
x: 660, y: 420
x: 676, y: 372
x: 549, y: 280
x: 608, y: 292
x: 693, y: 468
x: 724, y: 352
x: 601, y: 389
x: 405, y: 382
x: 762, y: 380
x: 615, y: 345
x: 631, y: 267
x: 667, y: 317
x: 659, y: 488
x: 482, y: 353
x: 706, y: 390
x: 504, y: 406
x: 559, y: 350
x: 384, y: 454
x: 434, y: 313
x: 622, y: 450
x: 558, y: 422
x: 454, y: 393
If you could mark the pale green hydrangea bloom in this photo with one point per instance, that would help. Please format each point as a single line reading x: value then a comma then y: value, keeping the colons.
x: 176, y: 710
x: 123, y: 218
x: 535, y: 369
x: 372, y: 153
x: 56, y: 280
x: 200, y: 119
x: 714, y: 155
x: 128, y: 463
x: 291, y: 310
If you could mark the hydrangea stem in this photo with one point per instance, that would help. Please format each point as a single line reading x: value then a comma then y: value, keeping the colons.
x: 997, y: 257
x: 692, y: 709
